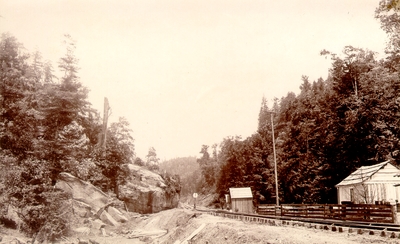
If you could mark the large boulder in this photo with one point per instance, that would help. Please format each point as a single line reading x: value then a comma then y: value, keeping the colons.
x: 117, y: 215
x: 108, y: 219
x: 147, y: 192
x: 81, y: 209
x: 85, y: 195
x: 97, y: 224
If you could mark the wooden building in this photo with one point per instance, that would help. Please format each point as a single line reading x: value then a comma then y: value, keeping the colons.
x: 241, y: 200
x: 371, y: 184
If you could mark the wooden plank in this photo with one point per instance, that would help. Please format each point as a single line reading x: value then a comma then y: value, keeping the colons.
x: 364, y: 212
x: 266, y: 209
x: 197, y: 231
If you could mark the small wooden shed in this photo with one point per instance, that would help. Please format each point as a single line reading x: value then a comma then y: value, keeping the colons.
x: 371, y: 184
x: 241, y: 199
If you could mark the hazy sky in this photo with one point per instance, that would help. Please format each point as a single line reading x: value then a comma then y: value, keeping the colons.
x: 184, y: 72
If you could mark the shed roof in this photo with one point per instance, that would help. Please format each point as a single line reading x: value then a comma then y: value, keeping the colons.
x: 362, y: 174
x: 243, y: 192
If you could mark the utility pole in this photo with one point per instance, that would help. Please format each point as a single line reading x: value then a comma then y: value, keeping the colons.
x: 275, y: 168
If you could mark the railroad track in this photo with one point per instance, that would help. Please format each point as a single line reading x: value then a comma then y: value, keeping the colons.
x: 324, y: 223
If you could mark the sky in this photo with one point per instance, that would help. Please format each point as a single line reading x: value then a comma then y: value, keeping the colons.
x: 187, y: 72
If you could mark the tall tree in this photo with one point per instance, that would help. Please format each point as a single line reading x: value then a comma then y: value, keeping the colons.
x: 63, y: 105
x: 120, y: 152
x: 209, y: 166
x: 388, y: 13
x: 17, y: 97
x: 152, y: 161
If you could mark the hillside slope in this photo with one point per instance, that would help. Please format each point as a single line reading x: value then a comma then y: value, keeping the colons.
x: 188, y: 170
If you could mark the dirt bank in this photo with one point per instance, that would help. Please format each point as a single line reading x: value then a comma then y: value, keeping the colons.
x: 177, y: 225
x: 222, y: 230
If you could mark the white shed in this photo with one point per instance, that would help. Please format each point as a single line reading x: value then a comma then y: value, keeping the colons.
x: 241, y: 199
x: 369, y: 184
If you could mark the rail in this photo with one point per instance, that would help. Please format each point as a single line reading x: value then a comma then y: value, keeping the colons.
x: 344, y: 212
x: 310, y: 222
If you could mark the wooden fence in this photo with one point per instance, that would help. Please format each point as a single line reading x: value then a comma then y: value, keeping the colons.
x: 349, y: 212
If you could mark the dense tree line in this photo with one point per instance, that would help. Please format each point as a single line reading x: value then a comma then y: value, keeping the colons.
x: 47, y: 126
x: 325, y: 132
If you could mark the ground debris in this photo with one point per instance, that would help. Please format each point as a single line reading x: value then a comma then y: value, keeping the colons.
x: 93, y: 241
x: 82, y: 241
x: 145, y: 233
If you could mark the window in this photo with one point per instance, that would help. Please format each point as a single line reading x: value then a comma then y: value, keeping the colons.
x: 352, y: 194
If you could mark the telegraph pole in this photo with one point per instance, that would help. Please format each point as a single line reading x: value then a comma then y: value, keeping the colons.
x: 275, y: 168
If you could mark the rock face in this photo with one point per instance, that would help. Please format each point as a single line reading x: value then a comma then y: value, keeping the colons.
x: 117, y: 215
x: 84, y: 194
x: 90, y: 203
x: 146, y: 192
x: 108, y: 219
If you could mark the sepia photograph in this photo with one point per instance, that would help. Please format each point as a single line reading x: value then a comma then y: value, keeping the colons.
x: 199, y: 121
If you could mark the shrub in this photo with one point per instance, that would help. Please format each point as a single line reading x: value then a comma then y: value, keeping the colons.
x: 42, y: 208
x: 8, y: 223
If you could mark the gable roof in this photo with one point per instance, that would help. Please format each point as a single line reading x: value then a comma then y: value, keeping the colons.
x: 243, y: 192
x: 362, y: 174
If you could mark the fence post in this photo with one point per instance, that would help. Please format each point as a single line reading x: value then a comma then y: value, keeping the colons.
x: 343, y: 211
x: 394, y: 213
x: 306, y: 210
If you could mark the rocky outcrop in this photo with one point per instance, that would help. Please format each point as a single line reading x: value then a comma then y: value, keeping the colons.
x: 90, y: 203
x: 117, y: 215
x: 82, y: 209
x: 84, y: 194
x: 147, y: 192
x: 108, y: 219
x: 144, y: 192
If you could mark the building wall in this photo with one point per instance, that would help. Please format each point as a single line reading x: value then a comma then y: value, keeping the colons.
x: 242, y: 205
x: 368, y: 193
x: 386, y: 174
x: 345, y: 194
